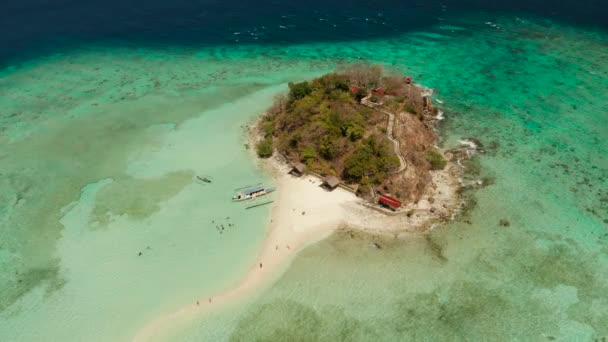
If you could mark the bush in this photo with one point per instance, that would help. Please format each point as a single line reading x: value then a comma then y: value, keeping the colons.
x: 308, y: 154
x: 341, y: 85
x: 329, y: 148
x: 355, y: 132
x: 370, y: 161
x: 352, y: 130
x: 264, y: 148
x: 268, y: 128
x: 299, y: 90
x: 436, y: 159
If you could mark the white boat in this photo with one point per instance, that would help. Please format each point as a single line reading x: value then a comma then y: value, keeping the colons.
x: 252, y: 193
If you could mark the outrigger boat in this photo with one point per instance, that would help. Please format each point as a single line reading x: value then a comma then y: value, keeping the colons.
x: 251, y: 193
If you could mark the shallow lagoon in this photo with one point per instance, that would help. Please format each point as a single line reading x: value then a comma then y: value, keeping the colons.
x: 84, y: 126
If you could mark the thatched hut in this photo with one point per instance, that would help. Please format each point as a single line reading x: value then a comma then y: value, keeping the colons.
x: 331, y: 182
x: 298, y: 170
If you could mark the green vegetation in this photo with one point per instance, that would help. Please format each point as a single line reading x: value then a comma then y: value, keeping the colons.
x: 370, y: 161
x: 299, y: 90
x: 436, y: 159
x: 322, y: 124
x: 264, y: 148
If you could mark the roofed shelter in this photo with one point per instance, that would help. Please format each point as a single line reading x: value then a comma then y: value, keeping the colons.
x: 298, y: 169
x: 389, y: 202
x: 331, y: 182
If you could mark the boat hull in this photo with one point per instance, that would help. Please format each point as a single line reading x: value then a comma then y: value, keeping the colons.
x: 244, y: 197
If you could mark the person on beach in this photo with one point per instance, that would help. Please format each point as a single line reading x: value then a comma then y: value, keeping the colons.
x: 260, y: 265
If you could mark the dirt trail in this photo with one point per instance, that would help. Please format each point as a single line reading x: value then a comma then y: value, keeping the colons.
x: 389, y: 133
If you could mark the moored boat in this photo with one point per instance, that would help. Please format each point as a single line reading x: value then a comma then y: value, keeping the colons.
x: 253, y: 192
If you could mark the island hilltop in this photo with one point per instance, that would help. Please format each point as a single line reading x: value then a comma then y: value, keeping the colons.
x: 370, y: 132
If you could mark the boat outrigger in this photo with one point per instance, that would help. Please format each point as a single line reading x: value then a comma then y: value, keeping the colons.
x: 251, y: 193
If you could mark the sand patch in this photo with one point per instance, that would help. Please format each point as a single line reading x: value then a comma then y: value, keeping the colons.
x: 137, y: 198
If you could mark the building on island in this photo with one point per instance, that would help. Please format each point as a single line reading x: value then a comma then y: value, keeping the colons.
x: 389, y: 202
x: 298, y: 170
x: 331, y: 182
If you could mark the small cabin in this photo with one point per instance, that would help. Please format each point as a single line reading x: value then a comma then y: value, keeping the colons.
x: 389, y: 202
x: 298, y: 170
x: 331, y: 182
x: 354, y: 89
x: 378, y: 91
x: 408, y: 79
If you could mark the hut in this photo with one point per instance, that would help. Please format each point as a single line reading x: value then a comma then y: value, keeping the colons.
x: 298, y: 170
x: 354, y: 89
x: 408, y: 79
x: 389, y: 202
x: 331, y: 182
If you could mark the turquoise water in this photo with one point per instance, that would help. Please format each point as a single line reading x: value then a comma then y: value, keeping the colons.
x: 104, y: 143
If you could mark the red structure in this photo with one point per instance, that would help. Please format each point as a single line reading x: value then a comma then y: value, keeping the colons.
x: 389, y: 202
x: 378, y: 91
x: 408, y: 79
x: 354, y: 89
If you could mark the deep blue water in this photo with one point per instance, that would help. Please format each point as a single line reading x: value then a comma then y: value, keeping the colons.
x: 32, y: 27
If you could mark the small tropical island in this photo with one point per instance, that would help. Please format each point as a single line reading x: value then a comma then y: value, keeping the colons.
x: 359, y: 128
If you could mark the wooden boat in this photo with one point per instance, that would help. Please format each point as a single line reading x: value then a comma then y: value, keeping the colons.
x: 251, y: 193
x: 204, y: 179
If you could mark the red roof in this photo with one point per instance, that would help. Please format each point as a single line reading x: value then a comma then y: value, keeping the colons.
x: 354, y: 89
x: 390, y: 201
x: 408, y: 79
